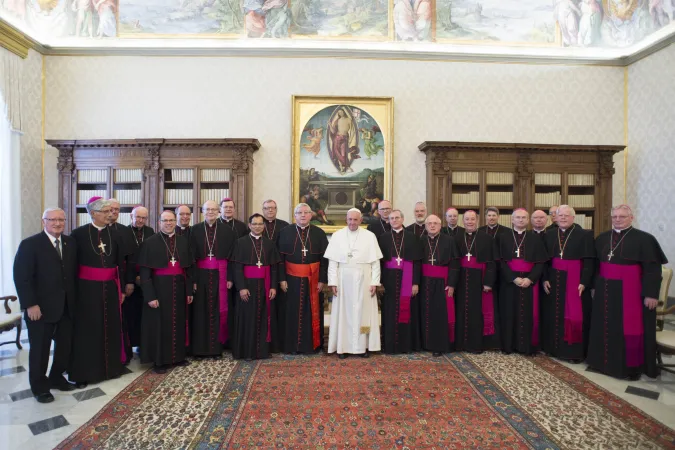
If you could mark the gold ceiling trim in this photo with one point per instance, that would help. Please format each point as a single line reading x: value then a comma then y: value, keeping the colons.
x: 14, y: 40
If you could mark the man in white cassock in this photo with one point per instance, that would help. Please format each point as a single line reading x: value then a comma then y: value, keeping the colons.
x: 353, y: 273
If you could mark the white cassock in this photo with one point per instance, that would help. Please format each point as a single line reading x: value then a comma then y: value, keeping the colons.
x: 353, y: 266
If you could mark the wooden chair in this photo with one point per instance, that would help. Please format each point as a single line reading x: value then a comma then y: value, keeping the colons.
x: 665, y: 339
x: 10, y: 320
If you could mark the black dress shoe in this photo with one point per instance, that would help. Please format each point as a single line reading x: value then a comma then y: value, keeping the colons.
x: 634, y: 377
x: 63, y: 385
x: 159, y: 370
x: 45, y: 397
x: 342, y: 356
x: 437, y: 354
x: 183, y: 363
x: 365, y: 355
x: 81, y: 385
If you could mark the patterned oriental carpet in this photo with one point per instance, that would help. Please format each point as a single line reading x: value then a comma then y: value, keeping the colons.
x: 458, y: 401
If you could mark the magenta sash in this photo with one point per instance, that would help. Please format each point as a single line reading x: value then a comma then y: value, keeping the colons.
x: 106, y: 274
x: 442, y: 272
x: 175, y: 271
x: 221, y: 266
x: 520, y: 265
x: 406, y: 287
x: 488, y: 300
x: 574, y: 317
x: 633, y: 328
x: 263, y: 272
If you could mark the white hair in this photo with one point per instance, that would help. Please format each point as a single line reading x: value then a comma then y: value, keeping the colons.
x: 48, y: 210
x: 97, y: 205
x: 356, y: 210
x: 113, y: 200
x: 567, y: 207
x: 398, y: 211
x: 297, y: 207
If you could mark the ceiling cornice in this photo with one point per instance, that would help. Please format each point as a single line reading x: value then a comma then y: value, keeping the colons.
x: 19, y: 42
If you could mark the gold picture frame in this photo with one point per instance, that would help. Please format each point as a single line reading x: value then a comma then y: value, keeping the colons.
x: 342, y: 156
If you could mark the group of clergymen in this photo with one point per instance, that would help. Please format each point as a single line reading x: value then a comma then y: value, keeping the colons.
x: 258, y: 288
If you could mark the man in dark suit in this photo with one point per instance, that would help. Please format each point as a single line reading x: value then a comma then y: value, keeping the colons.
x: 45, y: 268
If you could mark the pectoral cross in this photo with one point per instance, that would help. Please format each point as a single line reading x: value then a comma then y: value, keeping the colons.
x: 210, y: 255
x: 432, y: 259
x: 609, y: 257
x: 173, y: 261
x: 518, y: 252
x: 561, y: 253
x: 101, y: 245
x: 468, y: 256
x: 259, y: 264
x: 398, y: 261
x: 304, y: 251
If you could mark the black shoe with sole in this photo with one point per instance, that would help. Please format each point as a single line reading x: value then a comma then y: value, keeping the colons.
x: 63, y: 385
x: 365, y: 355
x: 159, y: 370
x: 437, y: 354
x: 342, y: 356
x: 45, y: 397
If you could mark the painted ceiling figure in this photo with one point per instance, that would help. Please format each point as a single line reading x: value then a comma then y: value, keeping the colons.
x: 343, y: 139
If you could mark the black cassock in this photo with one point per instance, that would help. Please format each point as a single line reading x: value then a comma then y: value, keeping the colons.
x: 206, y: 333
x: 273, y: 229
x: 417, y: 230
x: 165, y: 328
x: 452, y: 231
x: 252, y: 333
x: 476, y: 312
x: 400, y: 316
x: 522, y: 255
x: 379, y: 227
x: 239, y: 227
x: 622, y: 339
x: 186, y: 232
x: 129, y: 268
x: 565, y: 322
x: 437, y: 310
x: 133, y: 305
x: 296, y: 320
x: 98, y: 351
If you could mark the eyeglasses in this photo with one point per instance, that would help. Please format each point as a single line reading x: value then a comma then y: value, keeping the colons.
x: 114, y: 210
x: 257, y: 224
x: 620, y: 217
x: 167, y: 220
x: 55, y: 220
x: 211, y: 210
x: 270, y: 207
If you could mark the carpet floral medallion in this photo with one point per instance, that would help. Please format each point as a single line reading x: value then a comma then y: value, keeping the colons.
x: 412, y: 401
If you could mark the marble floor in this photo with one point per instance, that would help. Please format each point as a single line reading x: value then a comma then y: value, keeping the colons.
x: 27, y: 424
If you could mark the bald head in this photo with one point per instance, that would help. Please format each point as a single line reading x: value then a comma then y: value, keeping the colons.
x: 433, y: 225
x: 139, y: 216
x: 210, y: 210
x: 452, y: 217
x: 384, y: 209
x: 539, y: 219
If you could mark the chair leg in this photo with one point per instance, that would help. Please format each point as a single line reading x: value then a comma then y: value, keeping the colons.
x: 18, y: 336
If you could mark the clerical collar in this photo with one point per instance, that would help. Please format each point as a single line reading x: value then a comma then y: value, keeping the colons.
x: 211, y: 225
x: 432, y: 237
x: 253, y: 235
x: 301, y: 227
x: 451, y: 227
x: 169, y: 235
x: 492, y: 227
x: 137, y: 228
x: 226, y: 220
x: 562, y: 229
x: 182, y: 228
x: 397, y: 231
x: 519, y: 232
x: 270, y: 221
x: 469, y: 233
x: 622, y: 230
x: 538, y: 231
x: 419, y: 224
x: 97, y: 227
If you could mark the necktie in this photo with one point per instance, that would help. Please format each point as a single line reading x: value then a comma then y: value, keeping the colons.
x: 58, y: 248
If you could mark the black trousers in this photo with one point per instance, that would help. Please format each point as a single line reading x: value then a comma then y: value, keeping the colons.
x: 40, y: 336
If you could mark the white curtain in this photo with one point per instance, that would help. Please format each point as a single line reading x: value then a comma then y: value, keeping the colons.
x: 10, y: 204
x: 10, y: 87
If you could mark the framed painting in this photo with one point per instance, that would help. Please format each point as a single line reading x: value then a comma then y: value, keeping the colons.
x: 342, y: 156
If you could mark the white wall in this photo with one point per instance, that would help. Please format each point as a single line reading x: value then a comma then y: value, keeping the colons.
x: 136, y: 97
x: 651, y: 144
x: 31, y: 144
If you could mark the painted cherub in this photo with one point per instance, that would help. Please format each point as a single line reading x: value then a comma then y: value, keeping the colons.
x: 315, y: 135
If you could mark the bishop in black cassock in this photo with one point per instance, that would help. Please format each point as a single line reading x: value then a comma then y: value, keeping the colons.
x: 476, y: 312
x: 227, y: 208
x: 165, y: 266
x: 303, y: 272
x: 440, y: 270
x: 133, y: 304
x: 522, y: 259
x: 451, y: 222
x: 98, y: 342
x: 256, y: 260
x: 211, y: 244
x: 417, y: 229
x: 401, y: 270
x: 622, y: 339
x: 566, y: 313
